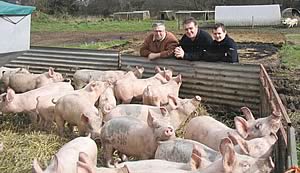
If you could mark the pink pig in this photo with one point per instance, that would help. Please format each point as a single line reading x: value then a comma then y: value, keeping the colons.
x: 133, y: 137
x: 127, y: 89
x: 157, y: 95
x: 209, y: 131
x: 65, y: 160
x: 21, y: 82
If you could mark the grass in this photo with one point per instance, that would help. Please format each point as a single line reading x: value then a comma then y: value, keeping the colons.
x: 100, y: 45
x: 290, y: 56
x: 45, y: 23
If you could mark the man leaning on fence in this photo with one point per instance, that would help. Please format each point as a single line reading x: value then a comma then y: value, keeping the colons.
x: 159, y: 44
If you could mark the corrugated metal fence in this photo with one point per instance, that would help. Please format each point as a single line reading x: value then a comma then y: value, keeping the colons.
x: 219, y: 84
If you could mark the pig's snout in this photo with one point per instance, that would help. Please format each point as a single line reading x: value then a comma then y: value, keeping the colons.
x: 169, y: 131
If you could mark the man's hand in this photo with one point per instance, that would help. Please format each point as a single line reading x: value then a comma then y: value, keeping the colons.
x: 179, y: 53
x: 153, y: 56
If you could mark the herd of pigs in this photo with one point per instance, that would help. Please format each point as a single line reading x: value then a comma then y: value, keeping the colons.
x: 100, y: 108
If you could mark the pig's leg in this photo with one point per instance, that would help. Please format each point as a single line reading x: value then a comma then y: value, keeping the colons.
x: 108, y: 151
x: 127, y: 101
x: 60, y: 124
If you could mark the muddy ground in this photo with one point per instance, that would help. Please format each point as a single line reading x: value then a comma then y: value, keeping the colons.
x: 255, y: 46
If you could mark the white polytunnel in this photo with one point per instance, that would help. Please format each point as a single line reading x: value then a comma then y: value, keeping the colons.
x: 248, y: 15
x: 14, y: 27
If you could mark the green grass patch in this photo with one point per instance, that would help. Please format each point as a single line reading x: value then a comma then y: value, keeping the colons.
x: 46, y: 23
x: 290, y: 56
x: 100, y: 45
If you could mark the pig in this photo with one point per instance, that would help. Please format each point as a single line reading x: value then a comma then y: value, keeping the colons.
x: 182, y: 109
x: 138, y: 111
x: 133, y: 137
x: 231, y: 162
x: 257, y: 147
x: 107, y: 101
x: 84, y: 76
x: 209, y: 131
x: 177, y: 111
x: 157, y: 95
x: 65, y: 160
x: 6, y: 72
x: 45, y: 106
x: 180, y: 150
x: 77, y: 110
x: 141, y: 166
x: 127, y: 89
x: 11, y: 102
x: 26, y: 82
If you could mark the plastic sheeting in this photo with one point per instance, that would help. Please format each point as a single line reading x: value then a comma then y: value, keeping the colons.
x: 248, y: 15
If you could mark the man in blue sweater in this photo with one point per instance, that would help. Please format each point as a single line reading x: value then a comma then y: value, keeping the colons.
x: 223, y: 48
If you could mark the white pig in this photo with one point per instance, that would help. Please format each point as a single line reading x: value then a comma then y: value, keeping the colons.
x: 25, y: 82
x: 133, y: 137
x: 77, y: 110
x: 176, y: 112
x: 65, y: 160
x: 209, y: 131
x: 257, y: 147
x: 84, y: 76
x: 157, y: 95
x: 127, y: 89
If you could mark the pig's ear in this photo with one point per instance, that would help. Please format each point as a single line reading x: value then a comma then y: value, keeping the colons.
x: 51, y: 72
x: 84, y: 118
x: 36, y: 167
x: 196, y: 158
x: 93, y: 85
x: 172, y: 101
x: 247, y: 113
x: 150, y: 119
x: 241, y: 126
x: 178, y: 79
x: 125, y: 169
x: 10, y: 95
x: 166, y: 76
x: 84, y: 164
x: 229, y: 157
x: 164, y: 111
x: 57, y: 165
x: 195, y: 162
x: 157, y: 69
x: 274, y: 136
x: 238, y: 140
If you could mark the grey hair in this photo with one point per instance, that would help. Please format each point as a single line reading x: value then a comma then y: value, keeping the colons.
x: 157, y: 24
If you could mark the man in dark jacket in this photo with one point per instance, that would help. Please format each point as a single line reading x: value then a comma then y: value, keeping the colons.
x: 193, y: 43
x: 223, y: 47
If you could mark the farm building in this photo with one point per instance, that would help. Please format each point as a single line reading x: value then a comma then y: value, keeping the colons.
x: 15, y: 27
x: 200, y: 15
x: 248, y: 15
x: 134, y: 15
x: 167, y: 15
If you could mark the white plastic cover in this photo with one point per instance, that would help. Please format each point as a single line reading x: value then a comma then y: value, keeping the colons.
x: 248, y: 15
x: 14, y: 36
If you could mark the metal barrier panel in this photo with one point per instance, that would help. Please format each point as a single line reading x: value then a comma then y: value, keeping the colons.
x: 285, y: 149
x: 65, y: 60
x: 219, y: 84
